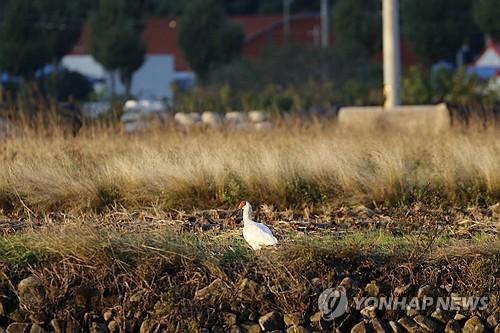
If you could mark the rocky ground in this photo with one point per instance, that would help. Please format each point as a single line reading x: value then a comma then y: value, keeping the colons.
x: 118, y: 272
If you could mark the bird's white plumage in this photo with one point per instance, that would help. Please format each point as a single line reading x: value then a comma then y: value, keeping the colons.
x: 256, y: 234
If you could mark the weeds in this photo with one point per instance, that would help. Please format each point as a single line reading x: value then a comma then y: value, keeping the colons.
x: 290, y: 166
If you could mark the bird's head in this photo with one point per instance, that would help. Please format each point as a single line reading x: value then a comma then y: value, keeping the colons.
x: 242, y: 204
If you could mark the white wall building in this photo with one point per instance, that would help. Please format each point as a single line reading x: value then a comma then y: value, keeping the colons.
x: 163, y: 65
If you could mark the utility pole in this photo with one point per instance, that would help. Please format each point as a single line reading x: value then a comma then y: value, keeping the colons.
x: 392, y: 61
x: 324, y: 23
x: 286, y: 20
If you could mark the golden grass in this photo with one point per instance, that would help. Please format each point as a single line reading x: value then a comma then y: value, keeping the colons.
x: 292, y: 165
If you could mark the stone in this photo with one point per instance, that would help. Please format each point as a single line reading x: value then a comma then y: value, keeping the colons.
x: 96, y: 327
x: 73, y: 326
x: 349, y: 284
x: 378, y: 326
x: 395, y: 327
x: 230, y: 319
x: 247, y: 289
x: 257, y: 116
x: 347, y: 324
x: 107, y: 315
x: 253, y: 316
x: 31, y: 293
x: 132, y: 326
x: 427, y: 323
x: 113, y: 327
x: 213, y: 289
x: 369, y: 312
x: 401, y: 290
x: 495, y: 210
x: 363, y: 211
x: 35, y: 328
x: 18, y: 316
x: 408, y: 324
x: 39, y: 318
x: 217, y: 329
x: 297, y: 329
x: 372, y: 289
x: 58, y: 325
x: 452, y: 326
x: 294, y: 318
x: 148, y: 326
x: 441, y: 315
x: 426, y: 291
x: 250, y: 328
x: 474, y: 325
x: 235, y: 329
x: 315, y: 318
x: 360, y: 328
x: 411, y: 312
x: 493, y: 319
x: 18, y: 328
x: 271, y: 321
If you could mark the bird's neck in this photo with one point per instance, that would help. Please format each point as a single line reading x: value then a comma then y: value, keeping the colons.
x: 247, y: 215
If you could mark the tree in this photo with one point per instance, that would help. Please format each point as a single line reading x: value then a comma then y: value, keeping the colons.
x: 62, y: 23
x: 486, y: 15
x: 435, y: 30
x: 23, y: 48
x: 115, y: 40
x: 358, y: 23
x: 207, y: 38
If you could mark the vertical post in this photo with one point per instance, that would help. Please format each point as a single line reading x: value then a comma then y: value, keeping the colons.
x: 324, y: 23
x: 286, y: 20
x: 392, y: 61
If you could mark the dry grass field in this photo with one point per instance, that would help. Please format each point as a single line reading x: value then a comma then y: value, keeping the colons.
x: 293, y: 165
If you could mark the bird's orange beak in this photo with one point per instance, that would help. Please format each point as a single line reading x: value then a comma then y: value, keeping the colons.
x: 242, y: 204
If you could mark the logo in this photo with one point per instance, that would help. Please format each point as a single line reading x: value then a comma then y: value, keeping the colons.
x: 333, y: 303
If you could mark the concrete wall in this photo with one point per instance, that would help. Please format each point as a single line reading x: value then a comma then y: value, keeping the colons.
x: 414, y: 119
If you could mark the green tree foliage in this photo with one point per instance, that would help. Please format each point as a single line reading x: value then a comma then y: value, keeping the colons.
x: 67, y: 85
x: 165, y: 7
x: 62, y: 23
x: 358, y: 23
x: 487, y: 17
x: 423, y: 87
x: 276, y: 6
x: 435, y: 30
x: 116, y: 40
x: 207, y: 38
x: 23, y: 48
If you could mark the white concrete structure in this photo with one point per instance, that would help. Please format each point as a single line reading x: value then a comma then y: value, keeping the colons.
x: 187, y: 119
x: 212, y: 119
x: 141, y: 114
x: 406, y: 119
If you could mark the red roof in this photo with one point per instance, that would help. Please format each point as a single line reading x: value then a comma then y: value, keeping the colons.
x: 160, y: 36
x: 490, y: 44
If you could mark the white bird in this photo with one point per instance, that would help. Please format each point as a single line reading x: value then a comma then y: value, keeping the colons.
x: 256, y: 234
